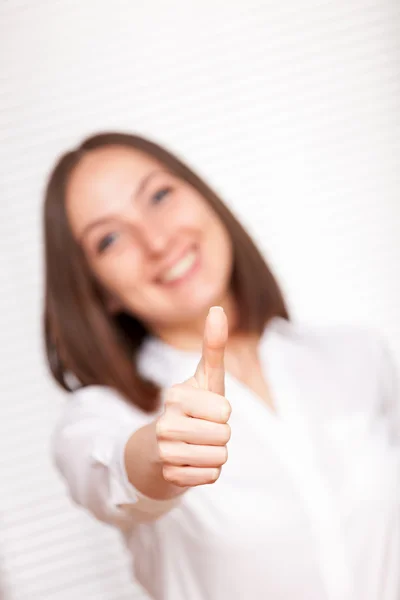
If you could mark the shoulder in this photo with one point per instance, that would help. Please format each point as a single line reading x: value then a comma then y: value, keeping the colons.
x: 338, y: 343
x: 348, y: 365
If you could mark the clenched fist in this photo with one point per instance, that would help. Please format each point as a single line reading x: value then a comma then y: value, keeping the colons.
x: 193, y: 431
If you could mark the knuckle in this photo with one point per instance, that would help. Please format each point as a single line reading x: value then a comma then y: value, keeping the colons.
x: 170, y: 396
x: 224, y: 408
x: 168, y: 474
x: 227, y: 408
x: 172, y: 453
x: 214, y: 475
x: 163, y: 451
x: 227, y: 433
x: 174, y: 395
x: 174, y: 475
x: 162, y: 428
x: 170, y: 427
x: 224, y: 455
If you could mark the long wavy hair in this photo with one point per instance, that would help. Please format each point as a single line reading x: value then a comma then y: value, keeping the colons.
x: 82, y: 338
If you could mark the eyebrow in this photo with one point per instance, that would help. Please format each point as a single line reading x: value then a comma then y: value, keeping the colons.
x: 142, y: 185
x: 146, y: 180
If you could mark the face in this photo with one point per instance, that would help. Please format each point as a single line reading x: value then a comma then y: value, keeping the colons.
x: 152, y: 241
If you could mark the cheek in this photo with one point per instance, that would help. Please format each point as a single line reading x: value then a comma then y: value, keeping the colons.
x: 188, y: 213
x: 220, y: 243
x: 217, y: 260
x: 121, y: 272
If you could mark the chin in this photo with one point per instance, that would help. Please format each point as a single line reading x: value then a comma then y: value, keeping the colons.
x: 198, y: 304
x: 190, y: 294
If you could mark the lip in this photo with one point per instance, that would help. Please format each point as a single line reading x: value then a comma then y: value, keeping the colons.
x: 173, y: 262
x: 174, y: 259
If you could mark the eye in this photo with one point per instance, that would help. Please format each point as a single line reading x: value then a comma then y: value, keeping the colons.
x: 160, y: 195
x: 106, y: 241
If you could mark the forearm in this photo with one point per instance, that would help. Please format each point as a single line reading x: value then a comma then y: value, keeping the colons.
x: 143, y: 465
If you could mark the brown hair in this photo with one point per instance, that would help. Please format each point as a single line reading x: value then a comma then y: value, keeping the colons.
x: 82, y: 338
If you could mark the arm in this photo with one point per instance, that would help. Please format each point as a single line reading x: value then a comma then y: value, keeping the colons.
x: 88, y: 449
x: 121, y: 464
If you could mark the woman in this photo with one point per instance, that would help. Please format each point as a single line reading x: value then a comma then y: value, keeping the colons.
x: 138, y: 248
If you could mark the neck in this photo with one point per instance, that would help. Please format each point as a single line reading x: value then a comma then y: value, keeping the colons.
x: 189, y: 335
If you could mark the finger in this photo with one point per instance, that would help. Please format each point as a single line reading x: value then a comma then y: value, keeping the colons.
x: 193, y: 431
x: 210, y: 373
x: 190, y: 476
x: 181, y: 454
x: 198, y: 403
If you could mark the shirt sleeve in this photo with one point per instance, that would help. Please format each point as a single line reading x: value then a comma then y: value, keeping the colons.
x: 88, y: 449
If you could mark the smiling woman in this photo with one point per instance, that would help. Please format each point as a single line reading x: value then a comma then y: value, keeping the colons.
x: 142, y: 244
x: 146, y: 270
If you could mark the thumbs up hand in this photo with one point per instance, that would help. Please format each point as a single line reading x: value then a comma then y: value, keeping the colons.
x: 193, y: 431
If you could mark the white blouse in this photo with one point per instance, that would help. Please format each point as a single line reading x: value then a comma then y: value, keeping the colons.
x: 308, y: 504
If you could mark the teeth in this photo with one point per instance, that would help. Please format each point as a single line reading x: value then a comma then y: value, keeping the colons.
x: 180, y: 268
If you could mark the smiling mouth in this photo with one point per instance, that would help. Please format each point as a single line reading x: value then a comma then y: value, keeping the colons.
x: 181, y: 268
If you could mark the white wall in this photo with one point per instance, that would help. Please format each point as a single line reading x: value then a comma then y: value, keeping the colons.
x: 291, y: 109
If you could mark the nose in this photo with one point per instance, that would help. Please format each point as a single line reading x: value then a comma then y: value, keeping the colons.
x: 154, y: 236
